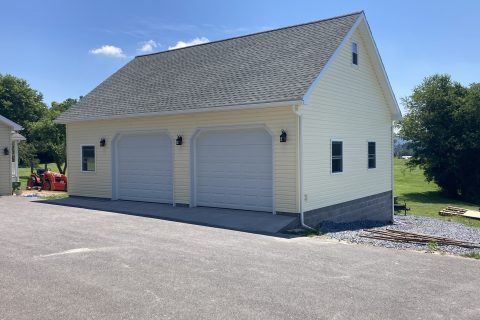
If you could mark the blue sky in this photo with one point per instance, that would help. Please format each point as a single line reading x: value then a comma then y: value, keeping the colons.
x: 66, y: 48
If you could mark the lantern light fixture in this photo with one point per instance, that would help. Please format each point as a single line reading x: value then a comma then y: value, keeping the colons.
x: 6, y: 151
x: 179, y: 140
x: 103, y: 142
x: 283, y: 136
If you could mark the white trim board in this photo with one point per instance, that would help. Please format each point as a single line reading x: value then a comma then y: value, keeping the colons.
x: 378, y: 65
x: 333, y: 57
x: 81, y: 158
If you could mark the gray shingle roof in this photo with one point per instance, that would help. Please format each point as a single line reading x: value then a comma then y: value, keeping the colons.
x: 270, y: 66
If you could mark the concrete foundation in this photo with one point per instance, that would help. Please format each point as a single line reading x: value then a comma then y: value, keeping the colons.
x: 376, y: 208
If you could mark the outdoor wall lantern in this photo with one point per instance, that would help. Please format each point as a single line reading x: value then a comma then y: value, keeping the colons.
x: 179, y: 141
x: 283, y: 136
x: 6, y: 151
x: 102, y: 142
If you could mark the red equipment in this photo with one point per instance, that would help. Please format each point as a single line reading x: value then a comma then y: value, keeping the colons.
x: 47, y: 180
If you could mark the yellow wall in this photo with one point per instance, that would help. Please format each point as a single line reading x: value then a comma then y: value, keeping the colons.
x: 348, y: 104
x: 99, y: 183
x: 5, y: 161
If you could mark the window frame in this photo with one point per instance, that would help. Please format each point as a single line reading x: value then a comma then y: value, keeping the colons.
x: 331, y: 157
x: 94, y: 158
x: 368, y: 155
x: 354, y: 49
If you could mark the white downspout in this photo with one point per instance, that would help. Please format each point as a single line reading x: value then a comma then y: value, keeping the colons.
x: 17, y: 176
x: 300, y: 163
x: 392, y: 168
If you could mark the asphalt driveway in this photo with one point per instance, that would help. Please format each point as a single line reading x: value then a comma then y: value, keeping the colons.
x: 70, y: 263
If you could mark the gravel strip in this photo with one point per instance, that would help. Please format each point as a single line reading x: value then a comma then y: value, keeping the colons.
x: 424, y: 225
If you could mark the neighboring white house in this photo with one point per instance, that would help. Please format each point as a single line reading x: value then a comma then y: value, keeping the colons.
x: 296, y: 120
x: 9, y: 140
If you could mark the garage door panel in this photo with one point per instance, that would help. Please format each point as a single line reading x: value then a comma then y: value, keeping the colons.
x: 145, y: 178
x: 225, y: 186
x: 134, y: 173
x: 234, y: 169
x: 219, y: 184
x: 218, y: 154
x: 144, y: 168
x: 132, y: 187
x: 152, y: 196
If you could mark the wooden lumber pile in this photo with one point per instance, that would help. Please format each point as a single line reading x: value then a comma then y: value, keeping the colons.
x: 410, y: 237
x: 450, y: 211
x: 455, y: 211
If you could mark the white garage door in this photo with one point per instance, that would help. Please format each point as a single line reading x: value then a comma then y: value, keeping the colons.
x: 234, y: 169
x: 144, y: 168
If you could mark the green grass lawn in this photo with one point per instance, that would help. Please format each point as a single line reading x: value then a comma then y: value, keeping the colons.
x: 423, y: 198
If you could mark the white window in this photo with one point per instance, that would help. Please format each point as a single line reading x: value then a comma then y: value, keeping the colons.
x: 88, y: 158
x: 354, y: 53
x: 337, y: 156
x: 372, y: 155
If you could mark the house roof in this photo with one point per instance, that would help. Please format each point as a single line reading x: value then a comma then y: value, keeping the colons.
x: 10, y: 123
x: 269, y: 67
x: 17, y: 136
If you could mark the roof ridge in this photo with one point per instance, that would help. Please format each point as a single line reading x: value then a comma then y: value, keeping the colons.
x: 255, y: 33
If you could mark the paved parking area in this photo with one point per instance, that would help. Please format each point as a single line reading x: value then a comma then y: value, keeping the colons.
x: 242, y: 220
x: 70, y: 263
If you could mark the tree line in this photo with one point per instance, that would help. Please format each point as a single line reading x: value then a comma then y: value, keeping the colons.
x: 25, y: 106
x: 442, y: 127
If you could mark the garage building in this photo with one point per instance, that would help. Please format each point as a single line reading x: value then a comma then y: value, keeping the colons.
x: 296, y: 121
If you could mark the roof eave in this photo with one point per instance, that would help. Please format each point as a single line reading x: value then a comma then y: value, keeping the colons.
x: 10, y: 123
x: 307, y: 95
x: 250, y: 106
x: 396, y: 113
x: 17, y: 136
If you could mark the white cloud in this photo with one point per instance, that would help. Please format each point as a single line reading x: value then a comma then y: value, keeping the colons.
x: 148, y: 46
x: 182, y: 44
x: 109, y: 51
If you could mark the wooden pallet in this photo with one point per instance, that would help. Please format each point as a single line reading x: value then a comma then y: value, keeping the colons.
x: 455, y: 211
x: 410, y: 237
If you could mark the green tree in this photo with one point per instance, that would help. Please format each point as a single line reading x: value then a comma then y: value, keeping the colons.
x: 442, y: 126
x: 23, y: 105
x: 27, y: 155
x: 20, y: 103
x: 49, y: 138
x: 45, y: 139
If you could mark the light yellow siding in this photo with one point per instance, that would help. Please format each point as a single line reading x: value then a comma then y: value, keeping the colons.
x: 349, y: 105
x: 5, y: 161
x: 99, y: 183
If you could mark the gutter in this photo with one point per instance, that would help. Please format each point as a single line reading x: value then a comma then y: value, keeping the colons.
x: 259, y: 105
x: 296, y: 110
